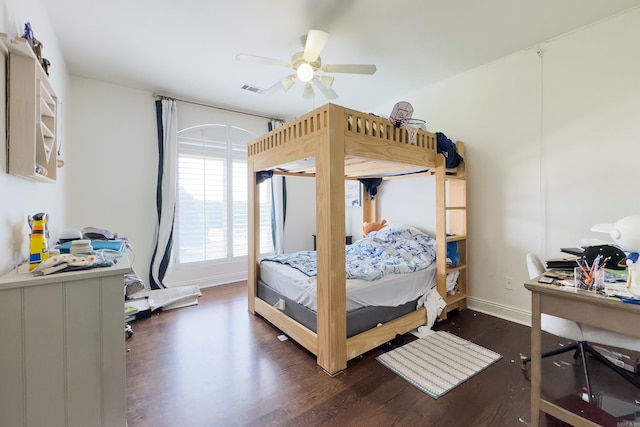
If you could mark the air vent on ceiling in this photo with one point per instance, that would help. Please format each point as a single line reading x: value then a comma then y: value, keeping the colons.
x: 251, y: 88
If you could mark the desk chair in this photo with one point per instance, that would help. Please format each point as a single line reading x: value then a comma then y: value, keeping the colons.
x: 580, y: 334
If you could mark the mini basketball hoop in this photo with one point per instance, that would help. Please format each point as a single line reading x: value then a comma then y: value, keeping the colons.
x: 412, y: 126
x: 400, y: 113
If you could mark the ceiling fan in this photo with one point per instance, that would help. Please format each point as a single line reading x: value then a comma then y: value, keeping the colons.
x: 306, y: 64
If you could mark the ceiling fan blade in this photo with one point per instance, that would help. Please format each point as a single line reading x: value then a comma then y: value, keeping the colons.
x: 285, y: 83
x: 308, y: 93
x: 273, y: 89
x: 349, y: 68
x: 246, y: 57
x: 288, y: 81
x: 324, y: 84
x: 316, y: 39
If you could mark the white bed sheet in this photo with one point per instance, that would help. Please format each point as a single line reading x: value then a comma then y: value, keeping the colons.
x: 390, y: 291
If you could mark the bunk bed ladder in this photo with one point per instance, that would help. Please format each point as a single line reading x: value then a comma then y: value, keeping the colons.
x: 451, y: 228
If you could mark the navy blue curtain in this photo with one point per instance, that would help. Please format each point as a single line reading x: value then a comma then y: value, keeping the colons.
x: 163, y: 253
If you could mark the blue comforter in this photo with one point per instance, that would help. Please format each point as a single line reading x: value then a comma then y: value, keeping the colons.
x: 390, y: 250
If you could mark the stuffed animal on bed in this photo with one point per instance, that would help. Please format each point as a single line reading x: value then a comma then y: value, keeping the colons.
x: 368, y: 227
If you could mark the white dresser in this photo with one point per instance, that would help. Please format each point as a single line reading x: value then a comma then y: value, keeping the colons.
x: 62, y: 348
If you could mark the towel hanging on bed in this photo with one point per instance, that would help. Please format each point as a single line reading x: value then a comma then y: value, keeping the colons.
x: 434, y: 304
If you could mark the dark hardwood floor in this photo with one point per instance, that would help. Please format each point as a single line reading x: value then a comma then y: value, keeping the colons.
x: 215, y: 364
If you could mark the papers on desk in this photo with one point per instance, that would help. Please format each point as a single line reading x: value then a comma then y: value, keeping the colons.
x: 617, y: 290
x: 567, y: 282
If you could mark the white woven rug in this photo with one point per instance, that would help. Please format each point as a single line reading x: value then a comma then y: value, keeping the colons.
x: 438, y: 362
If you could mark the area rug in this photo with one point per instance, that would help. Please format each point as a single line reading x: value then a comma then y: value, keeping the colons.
x: 438, y: 362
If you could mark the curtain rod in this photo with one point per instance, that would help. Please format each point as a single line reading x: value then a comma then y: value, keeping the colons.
x: 170, y: 98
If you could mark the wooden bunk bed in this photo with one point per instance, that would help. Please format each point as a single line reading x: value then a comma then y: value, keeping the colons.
x: 334, y: 143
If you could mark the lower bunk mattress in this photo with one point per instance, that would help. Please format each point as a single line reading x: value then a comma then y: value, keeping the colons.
x: 369, y: 303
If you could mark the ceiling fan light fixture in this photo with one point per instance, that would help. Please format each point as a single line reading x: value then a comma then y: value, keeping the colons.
x: 305, y: 72
x: 305, y: 64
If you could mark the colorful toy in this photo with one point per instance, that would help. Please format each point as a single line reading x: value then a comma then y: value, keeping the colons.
x: 38, y: 242
x: 368, y: 227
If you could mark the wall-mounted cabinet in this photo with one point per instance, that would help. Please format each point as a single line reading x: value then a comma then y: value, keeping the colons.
x: 32, y: 108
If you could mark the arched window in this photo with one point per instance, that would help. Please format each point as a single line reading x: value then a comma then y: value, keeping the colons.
x: 212, y: 208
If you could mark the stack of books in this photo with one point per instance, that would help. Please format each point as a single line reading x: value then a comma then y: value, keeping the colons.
x: 564, y: 263
x: 138, y: 308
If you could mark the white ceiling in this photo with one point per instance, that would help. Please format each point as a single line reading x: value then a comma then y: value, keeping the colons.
x: 187, y: 48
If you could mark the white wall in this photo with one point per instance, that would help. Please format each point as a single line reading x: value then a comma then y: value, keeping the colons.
x: 300, y: 223
x: 112, y: 163
x: 21, y: 198
x: 552, y: 148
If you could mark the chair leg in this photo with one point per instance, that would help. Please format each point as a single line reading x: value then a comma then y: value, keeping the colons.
x: 573, y: 346
x: 583, y: 348
x: 580, y: 348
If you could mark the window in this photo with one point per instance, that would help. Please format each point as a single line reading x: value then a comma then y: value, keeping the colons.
x: 212, y: 212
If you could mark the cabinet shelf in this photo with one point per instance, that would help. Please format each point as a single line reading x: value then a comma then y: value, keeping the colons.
x: 45, y: 109
x: 32, y: 115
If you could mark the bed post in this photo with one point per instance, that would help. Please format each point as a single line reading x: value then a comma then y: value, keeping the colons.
x: 369, y: 206
x: 330, y: 231
x: 441, y: 227
x: 254, y: 236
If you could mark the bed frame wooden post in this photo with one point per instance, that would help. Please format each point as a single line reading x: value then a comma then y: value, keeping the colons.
x: 254, y: 236
x: 369, y: 207
x: 441, y: 227
x: 330, y: 232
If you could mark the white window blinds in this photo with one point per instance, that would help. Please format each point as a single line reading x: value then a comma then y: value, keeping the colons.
x: 212, y: 213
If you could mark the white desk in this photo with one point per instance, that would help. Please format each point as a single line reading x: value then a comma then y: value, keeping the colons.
x: 583, y: 307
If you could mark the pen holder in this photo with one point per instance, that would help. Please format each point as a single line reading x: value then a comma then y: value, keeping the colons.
x: 589, y: 281
x: 582, y: 279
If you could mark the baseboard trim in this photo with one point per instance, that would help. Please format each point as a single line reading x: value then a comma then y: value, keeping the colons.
x: 500, y: 310
x: 212, y: 281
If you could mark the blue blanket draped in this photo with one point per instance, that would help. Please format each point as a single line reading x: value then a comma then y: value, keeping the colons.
x: 390, y: 250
